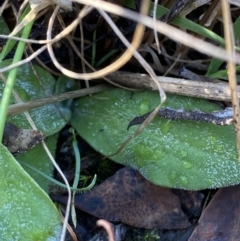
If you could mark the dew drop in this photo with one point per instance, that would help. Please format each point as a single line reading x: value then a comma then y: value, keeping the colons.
x: 115, y: 132
x: 219, y: 149
x: 166, y: 127
x: 234, y: 156
x: 213, y: 139
x: 173, y: 175
x: 187, y: 165
x: 183, y: 153
x: 183, y: 180
x: 144, y: 107
x: 210, y: 182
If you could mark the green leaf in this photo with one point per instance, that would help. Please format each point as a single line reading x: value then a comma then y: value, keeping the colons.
x: 215, y: 64
x: 223, y: 74
x: 26, y: 213
x: 3, y: 26
x: 181, y: 22
x: 38, y: 158
x: 180, y: 154
x: 49, y: 118
x: 10, y: 43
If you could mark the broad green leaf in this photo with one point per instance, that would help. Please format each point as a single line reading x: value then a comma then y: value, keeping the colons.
x: 49, y: 118
x: 180, y: 154
x: 26, y: 212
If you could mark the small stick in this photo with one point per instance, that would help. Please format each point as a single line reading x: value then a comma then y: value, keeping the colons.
x: 207, y: 90
x: 25, y: 106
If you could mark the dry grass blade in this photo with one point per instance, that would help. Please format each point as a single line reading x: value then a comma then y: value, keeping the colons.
x: 131, y: 47
x: 155, y: 32
x: 4, y: 6
x: 229, y: 37
x: 234, y: 2
x: 24, y: 61
x: 137, y: 37
x: 193, y: 5
x: 109, y: 69
x: 68, y: 206
x: 29, y: 17
x: 165, y: 29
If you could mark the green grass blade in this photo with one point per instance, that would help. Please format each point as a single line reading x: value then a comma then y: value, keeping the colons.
x: 11, y: 78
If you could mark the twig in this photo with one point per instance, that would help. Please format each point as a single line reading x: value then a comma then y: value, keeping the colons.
x: 207, y: 90
x: 25, y: 106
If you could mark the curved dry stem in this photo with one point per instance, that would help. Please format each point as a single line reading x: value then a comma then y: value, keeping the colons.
x: 165, y: 29
x: 148, y: 68
x: 108, y: 227
x: 68, y: 206
x: 39, y: 61
x: 154, y: 24
x: 21, y: 9
x: 24, y: 61
x: 107, y: 70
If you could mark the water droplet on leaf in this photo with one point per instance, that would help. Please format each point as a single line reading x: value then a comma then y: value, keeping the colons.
x: 173, y: 175
x: 183, y: 153
x: 184, y: 181
x: 187, y: 165
x: 166, y: 126
x: 144, y: 107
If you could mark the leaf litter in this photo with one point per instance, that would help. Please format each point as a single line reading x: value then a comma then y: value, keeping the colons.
x: 129, y: 198
x: 220, y: 220
x: 186, y: 205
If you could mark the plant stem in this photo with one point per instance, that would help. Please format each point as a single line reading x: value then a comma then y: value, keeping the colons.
x: 11, y: 79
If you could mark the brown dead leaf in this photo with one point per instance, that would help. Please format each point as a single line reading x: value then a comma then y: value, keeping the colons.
x: 220, y: 220
x: 191, y: 201
x: 20, y: 140
x: 129, y: 198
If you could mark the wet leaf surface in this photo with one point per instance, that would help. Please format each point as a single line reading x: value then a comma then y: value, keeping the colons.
x: 220, y: 220
x: 48, y: 118
x: 131, y: 199
x: 26, y: 212
x: 190, y: 155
